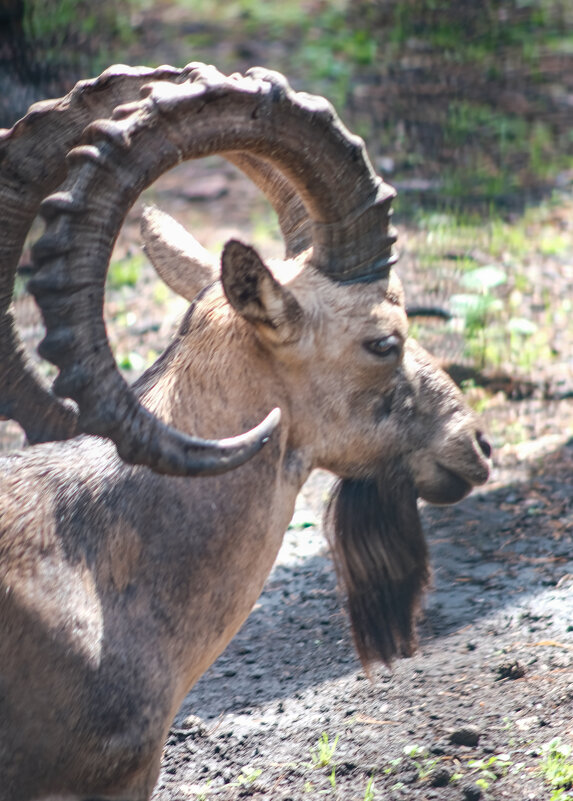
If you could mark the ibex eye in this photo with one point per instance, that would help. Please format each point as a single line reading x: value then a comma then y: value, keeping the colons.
x: 389, y: 347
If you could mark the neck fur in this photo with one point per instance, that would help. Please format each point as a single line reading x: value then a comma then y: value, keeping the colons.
x: 216, y: 380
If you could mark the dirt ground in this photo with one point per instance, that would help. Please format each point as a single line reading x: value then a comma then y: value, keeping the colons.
x: 491, y: 685
x: 492, y: 680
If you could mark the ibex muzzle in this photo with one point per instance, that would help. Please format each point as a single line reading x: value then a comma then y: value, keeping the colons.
x: 126, y: 570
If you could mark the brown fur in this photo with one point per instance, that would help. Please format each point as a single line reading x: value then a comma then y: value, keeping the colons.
x: 381, y: 559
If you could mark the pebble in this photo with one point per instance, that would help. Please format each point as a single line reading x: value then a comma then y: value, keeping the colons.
x: 440, y: 777
x: 193, y: 726
x: 466, y: 735
x: 510, y: 670
x: 471, y: 792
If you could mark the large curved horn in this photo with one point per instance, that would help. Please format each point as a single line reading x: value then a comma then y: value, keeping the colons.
x: 294, y: 221
x: 354, y: 242
x: 32, y: 164
x: 299, y: 134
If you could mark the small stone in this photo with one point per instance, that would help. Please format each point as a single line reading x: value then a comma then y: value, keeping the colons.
x: 409, y: 776
x: 193, y: 727
x: 440, y: 777
x: 466, y: 735
x: 510, y: 670
x: 471, y: 792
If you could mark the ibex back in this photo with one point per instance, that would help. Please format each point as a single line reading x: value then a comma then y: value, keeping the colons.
x: 125, y: 570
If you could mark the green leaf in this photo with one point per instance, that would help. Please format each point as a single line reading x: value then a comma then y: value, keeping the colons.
x: 482, y: 279
x: 521, y: 325
x: 466, y: 305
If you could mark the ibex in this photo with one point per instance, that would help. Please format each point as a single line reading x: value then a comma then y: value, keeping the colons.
x: 126, y: 570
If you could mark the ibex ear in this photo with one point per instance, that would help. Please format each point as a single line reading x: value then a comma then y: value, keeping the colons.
x: 255, y: 293
x: 184, y: 264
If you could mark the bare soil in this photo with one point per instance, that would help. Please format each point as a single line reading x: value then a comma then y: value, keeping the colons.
x: 493, y: 675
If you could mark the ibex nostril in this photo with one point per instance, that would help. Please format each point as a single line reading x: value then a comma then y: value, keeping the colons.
x: 484, y: 444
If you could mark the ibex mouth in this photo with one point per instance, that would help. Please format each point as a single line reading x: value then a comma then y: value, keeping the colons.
x: 450, y: 468
x: 446, y: 488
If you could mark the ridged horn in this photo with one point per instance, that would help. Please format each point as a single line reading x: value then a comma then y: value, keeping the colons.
x: 294, y: 221
x: 299, y: 134
x: 32, y: 164
x: 345, y: 213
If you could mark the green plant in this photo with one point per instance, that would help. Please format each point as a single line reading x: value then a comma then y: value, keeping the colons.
x: 130, y: 361
x: 479, y: 308
x: 203, y: 794
x: 419, y: 756
x: 560, y: 795
x: 437, y: 22
x: 323, y: 753
x: 425, y: 767
x: 126, y: 271
x: 506, y: 153
x: 412, y: 750
x: 77, y: 29
x: 554, y: 244
x: 490, y: 770
x: 247, y: 777
x: 392, y: 766
x: 557, y: 768
x: 494, y: 311
x: 301, y: 520
x: 332, y: 778
x: 369, y: 793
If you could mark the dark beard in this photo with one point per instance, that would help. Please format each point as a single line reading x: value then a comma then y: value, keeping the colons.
x: 381, y: 560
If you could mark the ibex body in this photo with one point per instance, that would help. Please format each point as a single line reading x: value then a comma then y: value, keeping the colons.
x: 120, y: 584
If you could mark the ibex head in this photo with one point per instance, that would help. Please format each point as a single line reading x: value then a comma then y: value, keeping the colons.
x: 364, y: 401
x: 357, y: 396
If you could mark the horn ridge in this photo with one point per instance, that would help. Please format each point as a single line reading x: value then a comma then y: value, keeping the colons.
x: 32, y: 164
x: 363, y: 241
x: 294, y: 222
